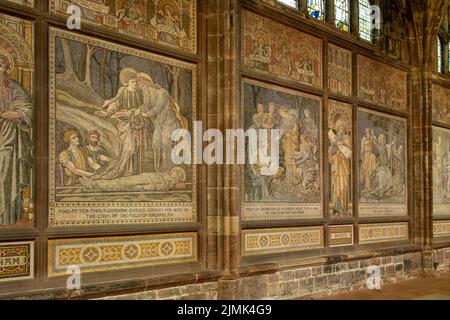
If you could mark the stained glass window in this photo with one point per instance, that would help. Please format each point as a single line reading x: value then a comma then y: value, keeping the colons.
x: 364, y: 20
x: 316, y: 9
x: 439, y: 55
x: 342, y: 14
x: 448, y: 56
x: 290, y: 3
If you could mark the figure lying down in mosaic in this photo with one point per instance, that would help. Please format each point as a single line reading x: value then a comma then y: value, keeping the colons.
x: 150, y: 181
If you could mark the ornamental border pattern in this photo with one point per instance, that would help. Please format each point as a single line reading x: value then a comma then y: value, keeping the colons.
x: 267, y: 241
x: 117, y: 253
x: 383, y: 232
x: 441, y: 229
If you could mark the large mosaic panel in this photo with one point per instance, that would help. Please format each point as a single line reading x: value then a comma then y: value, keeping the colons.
x: 441, y: 172
x: 339, y: 70
x: 16, y: 261
x: 294, y: 190
x: 441, y: 104
x: 271, y: 48
x: 170, y: 22
x: 382, y: 164
x: 383, y: 232
x: 110, y: 134
x: 16, y: 122
x: 115, y: 253
x: 340, y: 157
x: 267, y: 241
x: 382, y: 84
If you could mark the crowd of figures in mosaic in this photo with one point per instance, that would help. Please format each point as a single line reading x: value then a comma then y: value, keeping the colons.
x: 382, y: 183
x: 274, y: 49
x: 16, y: 121
x: 298, y: 117
x: 171, y: 22
x: 441, y: 171
x: 382, y: 84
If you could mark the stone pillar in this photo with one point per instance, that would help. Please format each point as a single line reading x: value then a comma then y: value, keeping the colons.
x: 223, y: 113
x: 329, y: 12
x: 423, y: 28
x: 354, y: 18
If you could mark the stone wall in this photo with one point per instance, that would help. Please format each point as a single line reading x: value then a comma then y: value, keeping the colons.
x: 326, y: 279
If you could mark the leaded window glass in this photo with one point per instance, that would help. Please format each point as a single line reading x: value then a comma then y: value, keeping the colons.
x: 342, y: 14
x: 290, y: 3
x: 316, y: 9
x: 364, y: 20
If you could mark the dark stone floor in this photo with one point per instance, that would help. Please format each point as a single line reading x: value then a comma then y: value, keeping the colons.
x: 425, y: 287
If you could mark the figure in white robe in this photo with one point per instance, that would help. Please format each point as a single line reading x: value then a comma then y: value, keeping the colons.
x: 163, y: 111
x: 15, y: 145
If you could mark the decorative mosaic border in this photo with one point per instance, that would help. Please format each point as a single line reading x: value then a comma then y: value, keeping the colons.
x: 340, y: 236
x: 265, y: 241
x: 16, y: 261
x: 114, y: 253
x: 441, y: 229
x: 383, y: 232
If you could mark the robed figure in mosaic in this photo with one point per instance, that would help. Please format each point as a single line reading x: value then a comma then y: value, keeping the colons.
x: 15, y: 144
x: 340, y: 154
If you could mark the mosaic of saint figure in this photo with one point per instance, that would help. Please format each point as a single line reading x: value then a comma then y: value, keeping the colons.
x: 340, y: 158
x: 16, y: 116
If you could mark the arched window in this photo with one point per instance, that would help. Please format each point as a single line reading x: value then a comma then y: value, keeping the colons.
x: 290, y: 3
x: 342, y: 14
x: 364, y: 20
x: 439, y: 55
x: 316, y: 9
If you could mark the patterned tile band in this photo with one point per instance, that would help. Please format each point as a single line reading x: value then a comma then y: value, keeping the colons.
x: 441, y: 229
x: 264, y: 241
x: 113, y: 253
x: 383, y: 232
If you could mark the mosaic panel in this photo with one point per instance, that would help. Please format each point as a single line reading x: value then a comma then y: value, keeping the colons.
x: 16, y: 122
x: 382, y: 84
x: 293, y: 190
x: 340, y: 70
x: 271, y: 48
x: 382, y: 165
x: 170, y: 22
x: 441, y: 104
x: 110, y: 134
